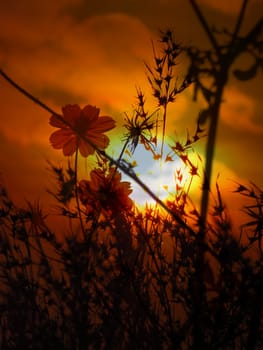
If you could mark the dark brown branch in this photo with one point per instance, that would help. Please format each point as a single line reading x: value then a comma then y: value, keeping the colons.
x: 240, y: 20
x: 206, y: 27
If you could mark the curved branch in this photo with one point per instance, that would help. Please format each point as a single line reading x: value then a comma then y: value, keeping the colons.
x: 206, y: 27
x: 240, y: 19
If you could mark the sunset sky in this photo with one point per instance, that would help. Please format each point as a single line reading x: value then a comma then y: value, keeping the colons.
x: 93, y: 52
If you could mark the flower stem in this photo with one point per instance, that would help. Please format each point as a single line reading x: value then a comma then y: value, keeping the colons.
x: 77, y: 194
x: 164, y: 126
x: 120, y: 157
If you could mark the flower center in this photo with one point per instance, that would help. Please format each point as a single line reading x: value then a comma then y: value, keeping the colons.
x: 82, y: 125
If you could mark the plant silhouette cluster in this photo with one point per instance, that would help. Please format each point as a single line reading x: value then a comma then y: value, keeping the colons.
x: 130, y: 281
x: 169, y: 276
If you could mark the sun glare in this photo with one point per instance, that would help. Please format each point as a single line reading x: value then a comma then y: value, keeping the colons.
x: 164, y: 178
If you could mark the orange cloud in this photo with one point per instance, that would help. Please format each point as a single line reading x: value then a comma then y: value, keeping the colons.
x: 228, y: 7
x: 96, y: 57
x: 22, y: 122
x: 98, y: 60
x: 238, y: 111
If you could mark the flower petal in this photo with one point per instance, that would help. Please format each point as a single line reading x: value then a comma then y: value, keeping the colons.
x: 54, y: 121
x: 99, y: 140
x: 70, y: 146
x: 85, y: 149
x: 96, y: 179
x: 59, y: 137
x: 71, y: 113
x: 103, y: 124
x: 91, y: 112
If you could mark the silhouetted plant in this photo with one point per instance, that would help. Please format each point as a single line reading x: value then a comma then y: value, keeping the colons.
x: 210, y: 70
x: 121, y: 277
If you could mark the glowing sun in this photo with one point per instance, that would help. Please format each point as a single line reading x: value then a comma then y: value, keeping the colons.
x: 163, y: 178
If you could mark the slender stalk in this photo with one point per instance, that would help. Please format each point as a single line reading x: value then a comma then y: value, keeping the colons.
x: 120, y: 156
x: 164, y: 127
x: 123, y: 149
x: 77, y: 195
x: 210, y: 150
x: 163, y: 290
x: 206, y: 27
x: 239, y: 20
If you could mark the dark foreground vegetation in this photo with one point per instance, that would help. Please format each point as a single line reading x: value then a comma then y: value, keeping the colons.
x: 132, y: 282
x: 169, y: 276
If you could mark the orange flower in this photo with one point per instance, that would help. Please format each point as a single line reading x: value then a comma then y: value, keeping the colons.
x: 105, y: 191
x: 84, y: 123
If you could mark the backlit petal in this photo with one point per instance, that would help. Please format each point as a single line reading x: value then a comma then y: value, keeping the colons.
x: 103, y: 124
x: 91, y: 112
x: 70, y: 146
x: 54, y: 121
x: 85, y: 149
x: 96, y: 179
x: 71, y: 113
x: 99, y: 140
x: 59, y: 137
